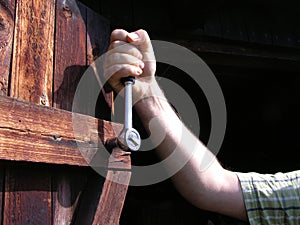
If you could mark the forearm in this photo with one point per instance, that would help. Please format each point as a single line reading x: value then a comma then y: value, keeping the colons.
x: 202, y: 180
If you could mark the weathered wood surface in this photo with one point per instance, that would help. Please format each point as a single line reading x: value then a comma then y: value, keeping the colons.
x: 68, y: 184
x: 114, y: 192
x: 6, y: 38
x: 18, y: 118
x: 102, y: 200
x: 27, y: 191
x: 98, y: 36
x: 46, y: 67
x: 29, y: 132
x: 32, y: 64
x: 27, y: 196
x: 70, y: 51
x: 78, y: 30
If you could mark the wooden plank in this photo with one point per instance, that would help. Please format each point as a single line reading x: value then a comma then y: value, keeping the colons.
x: 89, y: 199
x: 70, y: 63
x: 27, y: 196
x: 113, y: 193
x: 98, y: 36
x: 70, y: 51
x: 28, y: 190
x: 6, y: 36
x: 68, y: 185
x: 29, y: 132
x: 32, y: 65
x: 102, y: 201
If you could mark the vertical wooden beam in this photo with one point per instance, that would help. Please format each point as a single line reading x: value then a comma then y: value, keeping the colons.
x: 70, y: 51
x: 98, y: 32
x: 98, y: 35
x: 7, y: 13
x: 32, y: 65
x: 70, y: 64
x: 27, y: 196
x: 28, y: 190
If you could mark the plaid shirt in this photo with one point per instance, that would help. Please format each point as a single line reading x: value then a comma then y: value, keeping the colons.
x: 272, y: 199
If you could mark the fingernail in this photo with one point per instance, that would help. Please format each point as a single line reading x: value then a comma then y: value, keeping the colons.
x: 133, y: 36
x: 141, y: 65
x: 138, y: 71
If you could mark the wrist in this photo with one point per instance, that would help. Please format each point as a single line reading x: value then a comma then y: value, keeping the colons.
x: 144, y: 90
x: 153, y: 104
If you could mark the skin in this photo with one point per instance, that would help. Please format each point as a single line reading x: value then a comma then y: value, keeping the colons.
x: 202, y: 181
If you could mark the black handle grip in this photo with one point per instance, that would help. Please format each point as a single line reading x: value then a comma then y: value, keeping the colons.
x: 126, y: 79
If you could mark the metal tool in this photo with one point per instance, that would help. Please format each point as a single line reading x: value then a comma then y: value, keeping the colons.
x: 129, y: 137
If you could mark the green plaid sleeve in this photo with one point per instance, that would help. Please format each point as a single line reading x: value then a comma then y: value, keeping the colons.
x: 272, y: 198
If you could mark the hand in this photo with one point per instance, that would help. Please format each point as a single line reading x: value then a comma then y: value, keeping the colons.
x: 130, y: 54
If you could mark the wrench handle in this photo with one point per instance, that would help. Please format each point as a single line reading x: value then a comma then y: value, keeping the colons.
x: 128, y: 82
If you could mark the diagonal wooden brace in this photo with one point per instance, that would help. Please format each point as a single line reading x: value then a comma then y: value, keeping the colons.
x: 114, y: 189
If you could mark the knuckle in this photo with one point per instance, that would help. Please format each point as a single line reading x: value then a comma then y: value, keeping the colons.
x: 143, y: 33
x: 117, y: 31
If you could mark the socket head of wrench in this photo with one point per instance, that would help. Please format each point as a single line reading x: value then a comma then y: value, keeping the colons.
x: 130, y: 139
x: 133, y: 139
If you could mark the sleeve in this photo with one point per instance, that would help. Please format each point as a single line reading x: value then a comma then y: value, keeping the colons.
x: 271, y: 198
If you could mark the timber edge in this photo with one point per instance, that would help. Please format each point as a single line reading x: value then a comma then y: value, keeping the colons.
x: 35, y: 133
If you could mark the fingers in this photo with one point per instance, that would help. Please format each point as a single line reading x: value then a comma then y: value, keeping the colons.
x: 124, y: 47
x: 130, y: 54
x: 122, y: 70
x: 141, y: 39
x: 114, y: 74
x: 122, y: 58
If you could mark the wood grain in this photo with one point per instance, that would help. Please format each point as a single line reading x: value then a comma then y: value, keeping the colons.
x: 28, y: 189
x: 113, y: 193
x: 27, y: 196
x: 70, y: 51
x: 29, y: 132
x: 6, y: 37
x: 32, y: 65
x: 67, y: 187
